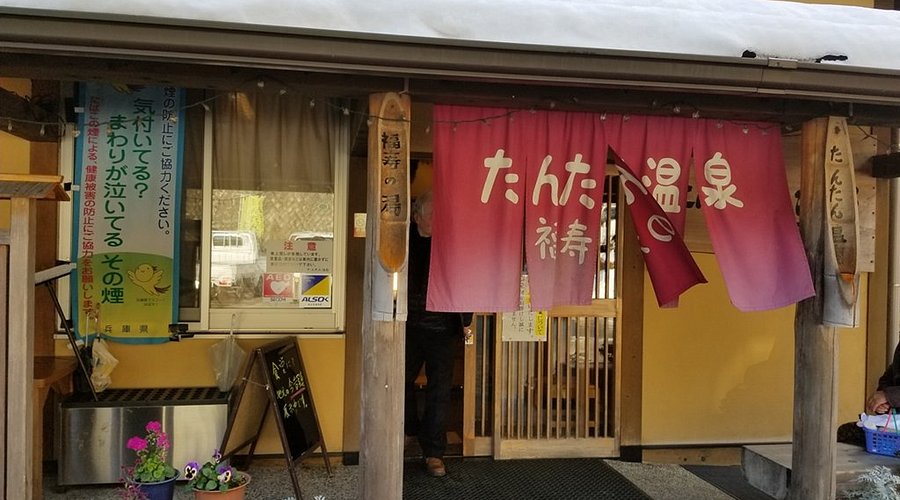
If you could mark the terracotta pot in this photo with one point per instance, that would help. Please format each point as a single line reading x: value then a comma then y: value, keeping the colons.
x: 160, y: 490
x: 231, y: 494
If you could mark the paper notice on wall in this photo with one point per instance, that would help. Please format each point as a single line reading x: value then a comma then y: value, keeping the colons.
x: 300, y: 255
x: 524, y: 325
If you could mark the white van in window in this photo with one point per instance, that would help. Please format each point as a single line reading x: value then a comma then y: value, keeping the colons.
x: 236, y: 263
x: 311, y: 235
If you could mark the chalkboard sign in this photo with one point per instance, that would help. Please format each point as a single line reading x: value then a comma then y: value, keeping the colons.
x: 293, y: 400
x: 275, y: 378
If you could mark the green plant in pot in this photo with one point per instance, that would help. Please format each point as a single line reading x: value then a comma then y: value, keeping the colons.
x: 151, y: 477
x: 216, y: 479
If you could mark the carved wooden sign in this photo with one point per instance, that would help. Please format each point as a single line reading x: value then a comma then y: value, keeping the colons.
x: 389, y: 157
x: 841, y: 212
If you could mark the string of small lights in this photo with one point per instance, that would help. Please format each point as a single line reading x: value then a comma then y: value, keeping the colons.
x: 679, y: 108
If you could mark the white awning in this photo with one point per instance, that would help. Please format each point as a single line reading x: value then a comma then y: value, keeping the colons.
x: 867, y: 38
x: 821, y: 53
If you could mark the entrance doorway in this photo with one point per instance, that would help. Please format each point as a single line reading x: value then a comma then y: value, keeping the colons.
x: 557, y: 396
x: 411, y: 448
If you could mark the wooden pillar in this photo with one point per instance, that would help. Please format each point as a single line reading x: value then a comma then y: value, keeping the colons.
x: 22, y: 190
x: 384, y: 315
x: 20, y: 350
x: 356, y: 263
x: 631, y: 340
x: 43, y: 159
x: 815, y: 350
x: 4, y: 330
x: 44, y: 154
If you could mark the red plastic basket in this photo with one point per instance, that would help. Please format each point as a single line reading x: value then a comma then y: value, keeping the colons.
x: 882, y: 442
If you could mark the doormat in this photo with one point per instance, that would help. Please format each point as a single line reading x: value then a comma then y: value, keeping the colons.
x: 557, y: 479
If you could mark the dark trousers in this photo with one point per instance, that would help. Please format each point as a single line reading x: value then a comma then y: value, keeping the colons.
x: 436, y: 351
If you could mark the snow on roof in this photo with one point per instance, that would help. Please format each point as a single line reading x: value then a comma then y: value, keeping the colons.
x: 866, y: 37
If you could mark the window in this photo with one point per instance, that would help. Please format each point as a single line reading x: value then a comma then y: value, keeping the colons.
x: 264, y: 214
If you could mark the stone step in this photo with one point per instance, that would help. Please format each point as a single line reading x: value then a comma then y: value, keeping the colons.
x: 768, y: 467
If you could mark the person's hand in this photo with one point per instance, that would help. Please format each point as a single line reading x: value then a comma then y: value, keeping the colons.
x: 468, y: 334
x: 877, y: 403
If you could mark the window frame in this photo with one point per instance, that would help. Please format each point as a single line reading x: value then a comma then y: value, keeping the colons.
x: 275, y: 320
x: 254, y: 321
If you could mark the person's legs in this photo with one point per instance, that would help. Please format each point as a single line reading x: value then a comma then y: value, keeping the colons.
x: 414, y: 360
x: 439, y: 370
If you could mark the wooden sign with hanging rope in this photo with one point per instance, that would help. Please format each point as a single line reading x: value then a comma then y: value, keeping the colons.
x: 389, y: 149
x: 841, y: 215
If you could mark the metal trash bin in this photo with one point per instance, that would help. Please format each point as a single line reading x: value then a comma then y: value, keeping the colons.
x: 92, y: 437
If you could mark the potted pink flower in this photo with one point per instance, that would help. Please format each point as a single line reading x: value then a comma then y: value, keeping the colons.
x: 151, y: 476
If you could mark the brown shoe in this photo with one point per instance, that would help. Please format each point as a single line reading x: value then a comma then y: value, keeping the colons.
x: 435, y: 467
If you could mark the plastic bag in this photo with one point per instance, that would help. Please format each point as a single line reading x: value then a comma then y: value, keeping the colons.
x: 226, y: 357
x: 102, y: 364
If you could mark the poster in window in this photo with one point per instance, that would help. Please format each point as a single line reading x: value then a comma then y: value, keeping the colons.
x: 301, y: 254
x: 126, y: 224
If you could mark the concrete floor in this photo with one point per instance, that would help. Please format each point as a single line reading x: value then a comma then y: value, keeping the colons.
x: 271, y: 481
x: 768, y: 467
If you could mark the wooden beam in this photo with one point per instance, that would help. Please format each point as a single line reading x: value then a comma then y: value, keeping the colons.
x: 465, y: 91
x: 383, y: 348
x: 44, y: 160
x: 40, y: 187
x: 356, y: 263
x: 25, y: 119
x: 631, y: 340
x: 20, y: 351
x: 4, y: 332
x: 192, y: 76
x: 469, y: 393
x: 815, y: 349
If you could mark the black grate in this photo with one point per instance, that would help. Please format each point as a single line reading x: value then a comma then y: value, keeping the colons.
x: 558, y: 479
x: 169, y: 396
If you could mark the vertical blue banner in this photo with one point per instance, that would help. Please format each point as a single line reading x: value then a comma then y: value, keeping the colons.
x: 127, y: 205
